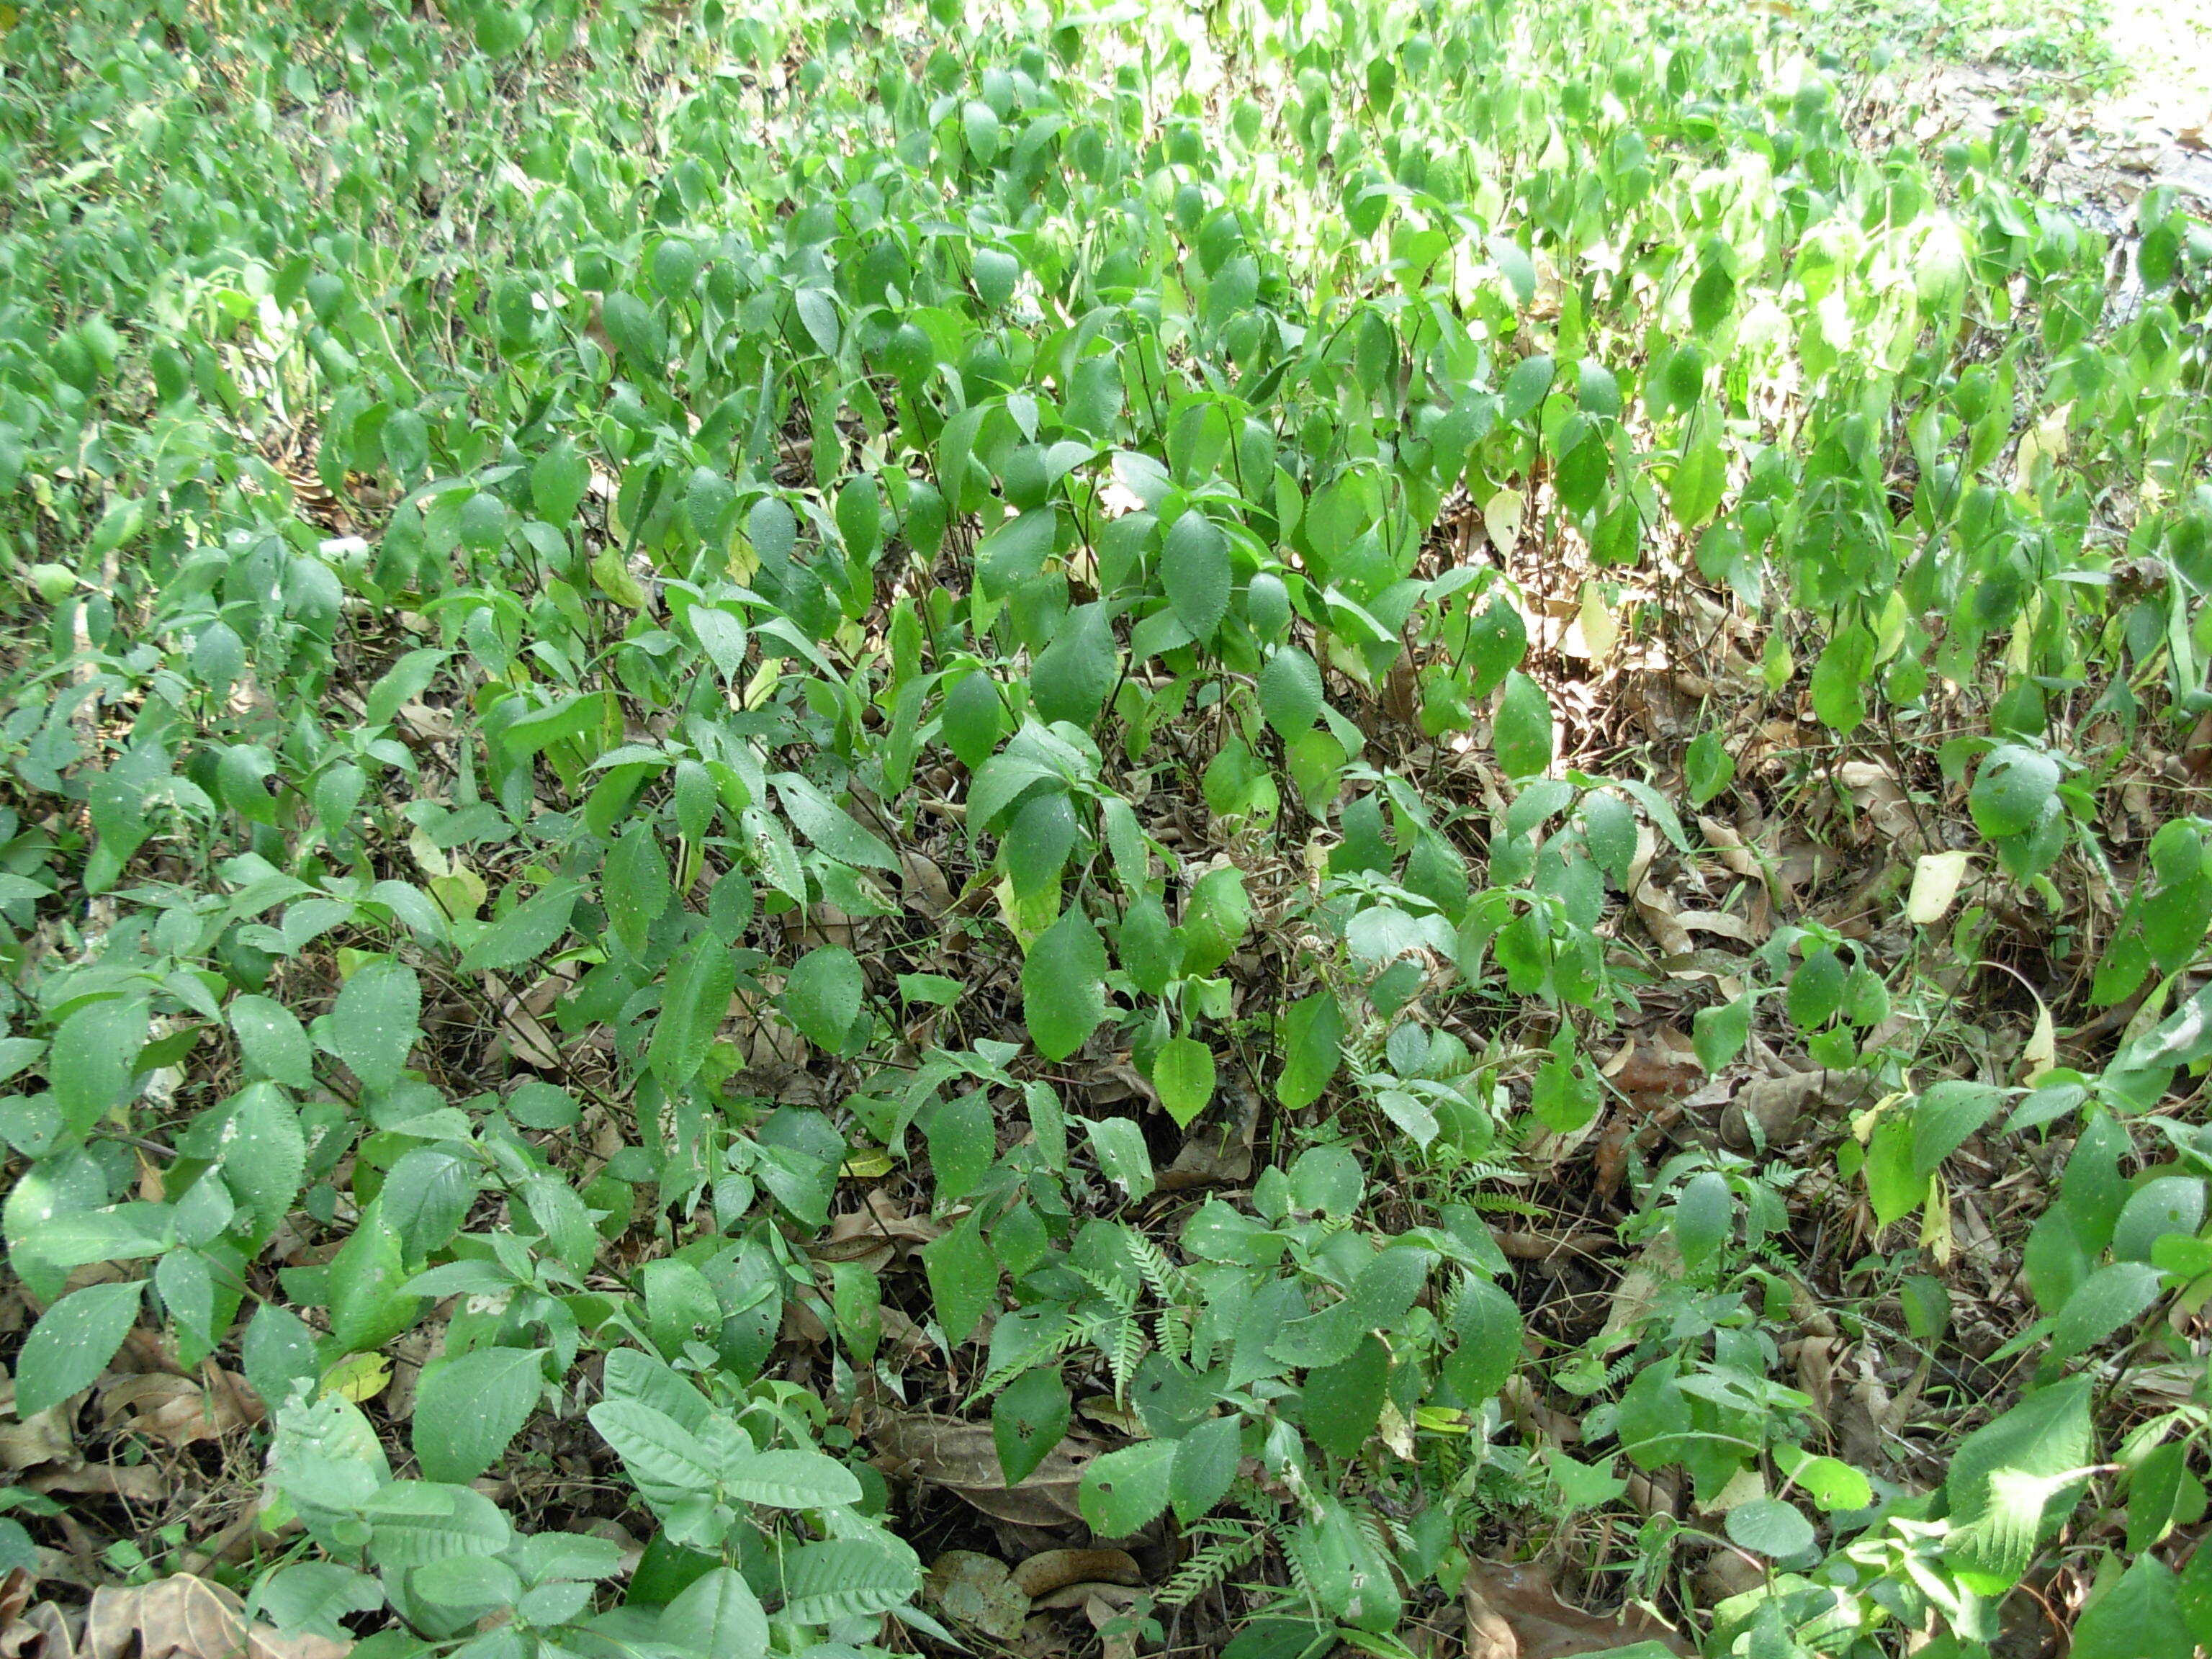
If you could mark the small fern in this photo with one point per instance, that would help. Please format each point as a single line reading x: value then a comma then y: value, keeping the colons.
x: 1236, y: 1546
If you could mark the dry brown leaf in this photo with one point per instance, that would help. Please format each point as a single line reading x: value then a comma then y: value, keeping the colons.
x: 188, y: 1618
x: 1739, y: 859
x: 44, y: 1438
x: 873, y: 1234
x: 963, y: 1458
x: 38, y: 1631
x: 1118, y: 1635
x: 1876, y: 793
x: 141, y: 1484
x: 1779, y: 1106
x: 973, y: 1588
x: 1051, y: 1569
x: 1216, y: 1155
x: 1513, y: 1614
x: 177, y: 1411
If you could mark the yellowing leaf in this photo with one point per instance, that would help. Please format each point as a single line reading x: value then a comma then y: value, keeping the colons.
x: 1935, y: 879
x: 359, y: 1377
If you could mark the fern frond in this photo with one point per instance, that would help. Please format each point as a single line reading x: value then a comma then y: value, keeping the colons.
x: 1505, y: 1202
x: 1211, y: 1565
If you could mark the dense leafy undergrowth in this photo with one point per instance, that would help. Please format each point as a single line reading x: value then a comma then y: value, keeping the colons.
x: 1388, y: 807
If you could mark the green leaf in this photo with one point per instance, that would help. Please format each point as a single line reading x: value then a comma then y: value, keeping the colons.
x: 823, y: 995
x: 273, y: 1040
x: 963, y: 1143
x: 1708, y: 768
x: 1064, y: 985
x: 1182, y: 1072
x: 791, y: 1480
x: 1768, y: 1527
x: 1693, y: 494
x: 1531, y: 379
x: 1609, y: 828
x: 2137, y: 1617
x: 846, y: 1578
x: 368, y: 1307
x: 693, y: 1003
x: 1816, y: 988
x: 2110, y: 1299
x: 1343, y: 1401
x: 71, y: 1345
x: 278, y: 1350
x: 469, y: 1410
x: 1205, y: 1467
x: 716, y: 1617
x: 1195, y: 572
x: 1118, y: 1143
x: 1029, y: 1418
x: 1150, y: 950
x: 1074, y: 674
x: 635, y: 886
x: 2013, y: 1481
x: 1123, y: 1490
x: 1487, y: 1323
x: 1713, y: 297
x: 1829, y: 1481
x: 1312, y: 1047
x: 415, y: 1522
x: 1839, y: 679
x: 94, y: 1060
x: 1703, y: 1215
x: 680, y: 1305
x: 1946, y: 1116
x: 1215, y: 919
x: 265, y: 1152
x: 1718, y: 1034
x: 526, y: 933
x: 828, y: 826
x: 722, y: 637
x: 2012, y: 791
x: 1291, y: 692
x: 963, y: 1277
x: 1522, y: 735
x: 663, y: 1457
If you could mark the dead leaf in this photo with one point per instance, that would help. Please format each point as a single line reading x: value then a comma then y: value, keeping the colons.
x: 188, y: 1618
x: 1051, y: 1570
x: 1780, y: 1105
x: 963, y: 1458
x: 1512, y: 1613
x: 1117, y: 1633
x: 177, y: 1411
x: 973, y: 1588
x: 44, y: 1438
x: 1216, y: 1155
x: 873, y: 1234
x: 1876, y: 793
x: 38, y: 1632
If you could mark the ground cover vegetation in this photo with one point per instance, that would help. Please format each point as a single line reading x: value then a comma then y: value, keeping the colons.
x: 1108, y: 829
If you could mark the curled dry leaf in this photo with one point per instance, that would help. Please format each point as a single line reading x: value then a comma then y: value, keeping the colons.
x: 44, y: 1438
x: 1083, y: 1595
x: 188, y: 1618
x: 177, y: 1411
x: 38, y: 1631
x: 1513, y: 1614
x: 1051, y: 1570
x: 1778, y: 1106
x: 873, y: 1234
x: 963, y: 1458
